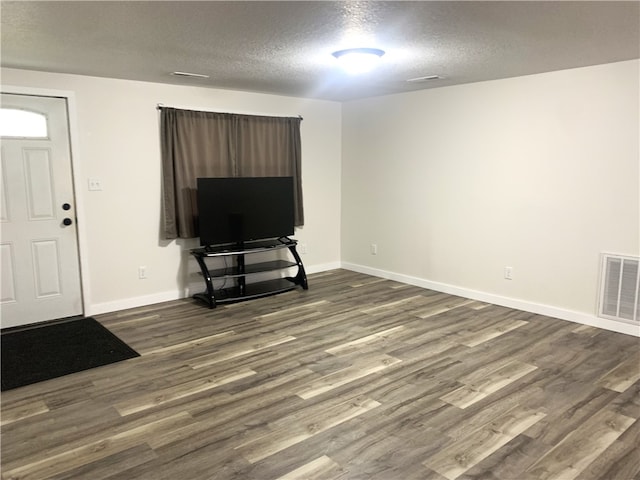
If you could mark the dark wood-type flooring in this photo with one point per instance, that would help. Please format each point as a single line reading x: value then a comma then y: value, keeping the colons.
x: 357, y: 378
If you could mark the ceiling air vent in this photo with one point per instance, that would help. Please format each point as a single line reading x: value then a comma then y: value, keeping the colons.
x: 428, y: 78
x: 620, y: 289
x: 189, y: 75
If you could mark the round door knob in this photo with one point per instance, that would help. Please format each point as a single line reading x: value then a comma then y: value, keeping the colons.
x: 67, y: 221
x: 66, y: 206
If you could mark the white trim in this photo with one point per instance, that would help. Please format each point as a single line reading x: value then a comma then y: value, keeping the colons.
x: 74, y: 146
x: 547, y: 310
x: 143, y: 301
x: 322, y: 267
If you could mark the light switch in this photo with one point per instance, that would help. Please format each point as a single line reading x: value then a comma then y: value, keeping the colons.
x: 95, y: 184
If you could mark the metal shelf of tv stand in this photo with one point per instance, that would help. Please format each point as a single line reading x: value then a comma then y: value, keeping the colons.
x: 243, y: 290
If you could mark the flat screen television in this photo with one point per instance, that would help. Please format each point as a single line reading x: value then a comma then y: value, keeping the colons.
x: 244, y: 209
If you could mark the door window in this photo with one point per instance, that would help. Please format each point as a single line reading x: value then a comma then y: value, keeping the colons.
x: 17, y: 123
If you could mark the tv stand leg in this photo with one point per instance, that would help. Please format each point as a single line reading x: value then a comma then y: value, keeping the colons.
x: 207, y: 296
x: 242, y: 283
x: 301, y: 276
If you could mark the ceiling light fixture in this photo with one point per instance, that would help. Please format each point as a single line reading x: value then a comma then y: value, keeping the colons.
x: 358, y: 60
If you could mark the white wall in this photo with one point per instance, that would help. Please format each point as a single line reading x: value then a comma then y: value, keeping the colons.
x: 117, y: 141
x: 539, y: 173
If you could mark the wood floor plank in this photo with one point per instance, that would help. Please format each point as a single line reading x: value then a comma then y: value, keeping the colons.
x: 476, y: 389
x: 284, y: 311
x: 359, y: 343
x: 628, y: 402
x: 320, y: 468
x: 239, y: 351
x: 394, y: 305
x: 380, y: 454
x: 22, y: 410
x: 250, y: 406
x: 560, y: 421
x: 509, y: 462
x: 111, y: 466
x: 472, y: 339
x: 578, y: 449
x: 620, y: 460
x: 442, y: 304
x: 294, y: 432
x: 153, y: 399
x: 52, y: 465
x: 65, y: 427
x: 623, y: 375
x: 460, y: 456
x: 347, y: 375
x: 190, y: 344
x: 356, y: 378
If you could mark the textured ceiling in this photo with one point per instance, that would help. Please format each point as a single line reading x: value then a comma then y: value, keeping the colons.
x: 285, y: 47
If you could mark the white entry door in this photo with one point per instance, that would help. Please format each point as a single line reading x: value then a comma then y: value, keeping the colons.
x: 38, y: 240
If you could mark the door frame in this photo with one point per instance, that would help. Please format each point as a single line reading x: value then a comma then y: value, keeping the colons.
x: 76, y: 175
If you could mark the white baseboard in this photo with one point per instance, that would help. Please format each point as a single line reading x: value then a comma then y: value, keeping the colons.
x: 541, y: 309
x: 116, y: 305
x: 125, y: 303
x: 547, y: 310
x: 322, y: 267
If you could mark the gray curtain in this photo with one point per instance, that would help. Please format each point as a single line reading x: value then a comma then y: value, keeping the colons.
x: 208, y: 144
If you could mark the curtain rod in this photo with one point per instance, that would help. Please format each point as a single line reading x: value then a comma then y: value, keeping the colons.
x: 162, y: 105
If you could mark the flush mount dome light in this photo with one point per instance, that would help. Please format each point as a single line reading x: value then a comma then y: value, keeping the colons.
x: 358, y: 60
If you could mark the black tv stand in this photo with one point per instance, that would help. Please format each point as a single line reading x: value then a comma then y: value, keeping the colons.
x: 239, y: 271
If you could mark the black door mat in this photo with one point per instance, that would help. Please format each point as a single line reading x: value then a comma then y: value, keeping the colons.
x: 41, y: 353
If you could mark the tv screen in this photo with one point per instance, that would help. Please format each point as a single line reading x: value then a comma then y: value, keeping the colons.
x: 243, y: 209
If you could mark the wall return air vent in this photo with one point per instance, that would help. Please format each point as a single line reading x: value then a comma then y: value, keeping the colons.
x: 620, y: 288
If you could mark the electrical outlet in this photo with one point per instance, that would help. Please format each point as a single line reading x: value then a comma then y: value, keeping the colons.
x: 302, y: 248
x: 374, y: 249
x: 508, y: 273
x: 142, y: 273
